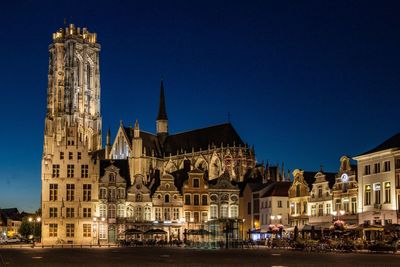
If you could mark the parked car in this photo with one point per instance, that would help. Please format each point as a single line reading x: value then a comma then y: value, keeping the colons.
x: 13, y: 240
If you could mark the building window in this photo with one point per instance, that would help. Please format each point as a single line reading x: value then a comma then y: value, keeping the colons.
x: 53, y: 212
x: 377, y: 189
x: 112, y: 177
x: 353, y: 205
x: 111, y: 192
x: 70, y: 212
x: 319, y: 191
x: 397, y: 163
x: 53, y: 230
x: 158, y: 214
x: 56, y: 171
x: 338, y: 204
x: 87, y: 192
x: 298, y: 190
x: 84, y: 171
x: 187, y: 199
x: 367, y: 170
x: 102, y: 231
x: 196, y: 200
x: 166, y: 198
x: 224, y: 211
x: 167, y: 214
x: 234, y: 211
x: 387, y: 192
x: 70, y: 170
x: 328, y: 208
x: 111, y: 211
x: 298, y: 208
x: 175, y: 214
x: 196, y: 183
x: 79, y: 155
x: 121, y: 211
x: 70, y: 192
x: 103, y: 193
x: 279, y: 203
x: 147, y: 214
x: 204, y: 216
x: 87, y: 212
x: 305, y: 207
x: 121, y: 193
x: 346, y: 204
x: 70, y: 157
x: 102, y: 211
x: 87, y: 230
x: 386, y: 166
x: 248, y: 207
x: 367, y: 195
x: 70, y: 230
x: 320, y: 210
x: 377, y: 168
x: 61, y: 155
x: 138, y: 214
x: 204, y: 200
x: 53, y: 192
x: 313, y: 210
x: 213, y: 212
x: 187, y: 216
x: 196, y: 216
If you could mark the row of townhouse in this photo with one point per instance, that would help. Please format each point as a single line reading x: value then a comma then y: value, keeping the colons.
x: 176, y: 205
x: 364, y: 193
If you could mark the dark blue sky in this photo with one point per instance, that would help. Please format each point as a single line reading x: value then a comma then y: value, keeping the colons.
x: 304, y: 82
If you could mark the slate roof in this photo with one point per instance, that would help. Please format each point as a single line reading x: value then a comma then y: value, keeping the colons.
x: 392, y: 142
x: 278, y: 189
x: 11, y: 213
x: 184, y: 141
x: 202, y: 138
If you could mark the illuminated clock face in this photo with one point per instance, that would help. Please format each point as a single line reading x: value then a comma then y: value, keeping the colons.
x: 344, y: 177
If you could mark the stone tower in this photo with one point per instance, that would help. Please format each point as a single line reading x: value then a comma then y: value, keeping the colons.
x: 73, y: 96
x: 72, y: 137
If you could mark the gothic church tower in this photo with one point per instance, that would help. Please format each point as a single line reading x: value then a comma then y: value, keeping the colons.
x: 72, y: 136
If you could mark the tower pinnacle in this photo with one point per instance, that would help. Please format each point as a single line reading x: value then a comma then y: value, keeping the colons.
x: 162, y: 119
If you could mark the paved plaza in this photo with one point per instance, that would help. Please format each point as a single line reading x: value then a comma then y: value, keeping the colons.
x: 149, y: 256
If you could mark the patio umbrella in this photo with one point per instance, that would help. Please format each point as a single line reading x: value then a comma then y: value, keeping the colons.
x: 133, y: 232
x: 155, y: 232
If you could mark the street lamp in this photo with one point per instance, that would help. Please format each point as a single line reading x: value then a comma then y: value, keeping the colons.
x: 340, y: 212
x: 37, y: 219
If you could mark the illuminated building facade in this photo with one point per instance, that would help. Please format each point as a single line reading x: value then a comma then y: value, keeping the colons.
x: 72, y: 135
x: 379, y: 183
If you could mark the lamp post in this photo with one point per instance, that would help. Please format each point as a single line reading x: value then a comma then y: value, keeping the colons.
x: 34, y: 220
x: 338, y: 213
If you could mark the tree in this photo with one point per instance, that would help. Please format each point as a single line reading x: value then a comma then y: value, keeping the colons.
x: 26, y: 227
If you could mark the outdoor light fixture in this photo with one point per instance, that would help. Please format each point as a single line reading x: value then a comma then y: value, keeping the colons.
x: 279, y: 217
x: 342, y: 212
x: 334, y: 213
x: 272, y: 217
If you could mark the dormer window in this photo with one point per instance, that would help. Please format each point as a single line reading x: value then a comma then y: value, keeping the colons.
x: 112, y: 177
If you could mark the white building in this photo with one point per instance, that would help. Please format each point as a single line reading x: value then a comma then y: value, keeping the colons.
x: 379, y: 180
x: 274, y: 203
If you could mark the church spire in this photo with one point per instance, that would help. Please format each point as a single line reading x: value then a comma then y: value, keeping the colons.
x: 162, y: 119
x: 162, y: 112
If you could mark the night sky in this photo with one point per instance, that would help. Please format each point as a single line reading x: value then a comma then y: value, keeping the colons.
x: 304, y: 82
